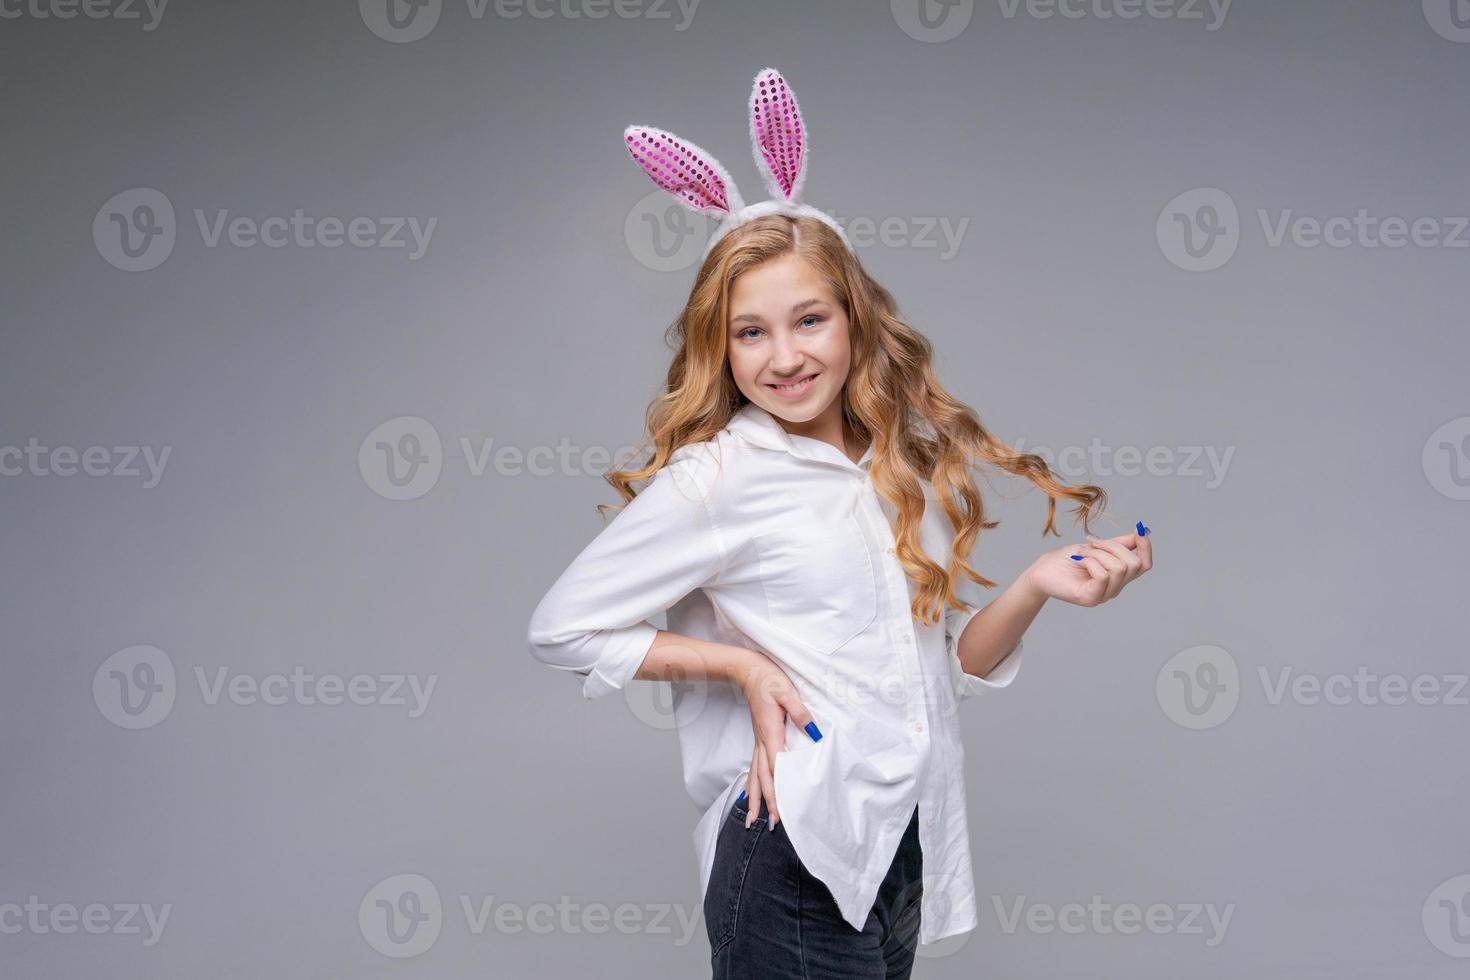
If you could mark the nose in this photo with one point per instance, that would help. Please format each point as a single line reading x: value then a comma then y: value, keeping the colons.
x: 786, y: 355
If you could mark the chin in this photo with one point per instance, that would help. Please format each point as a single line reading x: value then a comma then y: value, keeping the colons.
x: 803, y: 411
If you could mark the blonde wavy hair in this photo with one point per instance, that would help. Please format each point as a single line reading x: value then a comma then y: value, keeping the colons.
x: 918, y: 429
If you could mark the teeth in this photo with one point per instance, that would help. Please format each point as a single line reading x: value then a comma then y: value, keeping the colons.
x: 797, y: 385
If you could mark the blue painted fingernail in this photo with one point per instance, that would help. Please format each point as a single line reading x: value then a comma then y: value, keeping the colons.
x: 814, y: 731
x: 1076, y: 557
x: 1141, y: 529
x: 740, y: 797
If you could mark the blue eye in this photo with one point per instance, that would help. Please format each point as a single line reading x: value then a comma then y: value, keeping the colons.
x: 811, y: 316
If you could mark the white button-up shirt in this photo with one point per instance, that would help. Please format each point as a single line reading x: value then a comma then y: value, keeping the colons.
x: 780, y: 543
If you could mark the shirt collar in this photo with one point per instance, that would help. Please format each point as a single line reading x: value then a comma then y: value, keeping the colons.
x: 761, y: 428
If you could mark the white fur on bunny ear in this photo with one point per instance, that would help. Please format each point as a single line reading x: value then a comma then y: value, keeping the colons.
x: 777, y: 136
x: 692, y: 175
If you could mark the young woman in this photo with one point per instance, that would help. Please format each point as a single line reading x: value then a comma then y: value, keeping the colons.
x: 807, y: 527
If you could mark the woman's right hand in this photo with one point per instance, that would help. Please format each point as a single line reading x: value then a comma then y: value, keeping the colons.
x: 772, y: 697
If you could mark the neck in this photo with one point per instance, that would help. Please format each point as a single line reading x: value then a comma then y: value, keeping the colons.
x: 830, y: 427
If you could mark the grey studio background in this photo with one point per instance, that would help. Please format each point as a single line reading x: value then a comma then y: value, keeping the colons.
x: 276, y: 510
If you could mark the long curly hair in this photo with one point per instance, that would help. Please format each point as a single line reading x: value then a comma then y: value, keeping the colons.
x: 918, y: 429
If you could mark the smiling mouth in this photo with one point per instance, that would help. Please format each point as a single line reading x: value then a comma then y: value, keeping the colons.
x: 797, y: 386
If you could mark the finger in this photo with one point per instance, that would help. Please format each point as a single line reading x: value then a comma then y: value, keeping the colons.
x: 802, y: 717
x: 1091, y: 592
x: 1146, y: 548
x: 768, y: 780
x: 1116, y: 548
x: 773, y: 733
x: 1104, y: 557
x: 1090, y: 564
x: 753, y: 785
x: 1117, y: 571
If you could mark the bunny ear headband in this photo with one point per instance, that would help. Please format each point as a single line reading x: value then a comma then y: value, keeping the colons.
x: 699, y: 182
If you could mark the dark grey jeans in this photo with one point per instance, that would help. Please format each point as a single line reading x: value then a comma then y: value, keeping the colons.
x: 768, y: 918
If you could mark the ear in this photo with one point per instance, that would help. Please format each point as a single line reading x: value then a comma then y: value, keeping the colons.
x: 694, y: 177
x: 777, y: 136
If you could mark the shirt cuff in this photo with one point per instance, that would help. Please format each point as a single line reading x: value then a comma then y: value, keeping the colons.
x: 622, y: 654
x: 1001, y: 675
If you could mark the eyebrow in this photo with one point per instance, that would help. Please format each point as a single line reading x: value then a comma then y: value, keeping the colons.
x: 756, y: 317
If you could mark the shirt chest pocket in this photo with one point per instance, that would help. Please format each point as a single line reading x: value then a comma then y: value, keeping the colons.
x: 818, y: 578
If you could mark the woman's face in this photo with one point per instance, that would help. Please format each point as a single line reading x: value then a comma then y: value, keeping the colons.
x: 786, y: 327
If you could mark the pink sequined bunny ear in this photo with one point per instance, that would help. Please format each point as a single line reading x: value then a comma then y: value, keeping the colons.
x: 777, y: 136
x: 693, y: 176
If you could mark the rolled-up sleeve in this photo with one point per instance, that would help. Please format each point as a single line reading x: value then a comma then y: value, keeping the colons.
x: 968, y: 685
x: 662, y: 545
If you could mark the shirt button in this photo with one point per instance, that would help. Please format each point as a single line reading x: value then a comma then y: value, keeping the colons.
x: 919, y: 727
x: 890, y: 551
x: 905, y: 638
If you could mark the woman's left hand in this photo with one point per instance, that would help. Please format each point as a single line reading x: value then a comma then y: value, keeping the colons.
x: 1107, y: 564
